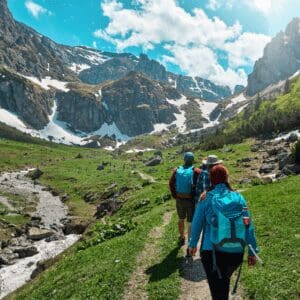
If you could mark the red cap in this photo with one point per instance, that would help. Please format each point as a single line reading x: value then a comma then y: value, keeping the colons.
x: 218, y: 174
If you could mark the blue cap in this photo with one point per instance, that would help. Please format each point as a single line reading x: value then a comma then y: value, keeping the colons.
x: 188, y: 156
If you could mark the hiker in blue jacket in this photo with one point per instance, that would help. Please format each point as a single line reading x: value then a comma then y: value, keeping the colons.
x: 203, y: 181
x: 221, y: 258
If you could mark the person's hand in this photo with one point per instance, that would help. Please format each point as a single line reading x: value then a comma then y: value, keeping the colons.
x: 251, y: 260
x: 192, y: 250
x: 203, y: 196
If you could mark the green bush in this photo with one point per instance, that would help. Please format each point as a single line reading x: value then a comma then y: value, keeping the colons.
x: 296, y: 152
x: 103, y: 232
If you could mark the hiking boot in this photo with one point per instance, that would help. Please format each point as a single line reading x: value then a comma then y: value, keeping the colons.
x: 188, y: 255
x: 181, y: 241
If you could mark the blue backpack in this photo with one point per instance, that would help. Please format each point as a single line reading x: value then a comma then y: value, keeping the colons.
x: 228, y: 230
x: 184, y: 183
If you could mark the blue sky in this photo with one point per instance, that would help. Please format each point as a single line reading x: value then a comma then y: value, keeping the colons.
x: 215, y: 39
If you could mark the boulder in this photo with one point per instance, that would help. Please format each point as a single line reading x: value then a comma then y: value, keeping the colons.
x: 293, y: 137
x: 291, y: 169
x: 273, y: 151
x: 100, y: 168
x: 26, y: 252
x: 283, y: 159
x: 35, y: 174
x: 267, y: 168
x: 74, y: 228
x: 154, y: 161
x: 40, y: 267
x: 255, y: 148
x: 36, y: 234
x: 108, y: 207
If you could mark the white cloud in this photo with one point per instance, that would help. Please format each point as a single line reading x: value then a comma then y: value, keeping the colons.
x: 203, y: 62
x: 213, y: 4
x: 193, y: 40
x: 36, y: 10
x: 159, y: 21
x: 94, y: 44
x: 246, y: 49
x: 266, y: 7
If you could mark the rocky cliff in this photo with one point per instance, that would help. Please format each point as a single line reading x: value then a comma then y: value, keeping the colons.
x: 27, y: 100
x: 281, y: 59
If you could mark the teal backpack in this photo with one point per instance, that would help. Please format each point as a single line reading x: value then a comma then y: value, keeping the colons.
x: 228, y: 230
x: 184, y: 182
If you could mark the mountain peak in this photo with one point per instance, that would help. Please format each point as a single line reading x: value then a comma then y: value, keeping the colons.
x: 293, y: 27
x: 4, y: 11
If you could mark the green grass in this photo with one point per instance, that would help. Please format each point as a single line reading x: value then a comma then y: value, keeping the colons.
x: 102, y: 271
x: 164, y: 280
x: 275, y: 210
x: 98, y: 272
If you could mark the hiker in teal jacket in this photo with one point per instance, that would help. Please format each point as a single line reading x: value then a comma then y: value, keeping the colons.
x: 226, y: 261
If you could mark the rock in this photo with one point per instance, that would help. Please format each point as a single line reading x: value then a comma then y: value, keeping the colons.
x: 272, y: 151
x: 54, y: 193
x: 243, y: 160
x: 266, y: 179
x: 35, y: 174
x: 7, y: 259
x: 109, y: 207
x: 291, y: 169
x: 267, y: 168
x: 100, y: 168
x: 158, y: 153
x: 65, y: 197
x: 26, y: 252
x: 92, y: 144
x: 293, y: 137
x: 36, y: 234
x: 283, y: 159
x: 40, y: 267
x: 270, y: 160
x: 74, y: 228
x: 255, y: 148
x: 153, y: 161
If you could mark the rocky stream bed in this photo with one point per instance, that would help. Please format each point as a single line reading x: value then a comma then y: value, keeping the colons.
x: 22, y: 257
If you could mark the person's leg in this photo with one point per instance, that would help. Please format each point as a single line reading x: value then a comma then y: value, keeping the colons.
x: 227, y: 264
x: 190, y: 210
x: 181, y: 216
x: 181, y: 227
x: 206, y: 259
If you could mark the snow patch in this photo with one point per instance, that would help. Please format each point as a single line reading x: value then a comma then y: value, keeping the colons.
x: 206, y: 107
x: 295, y: 74
x: 77, y: 68
x: 109, y: 130
x: 179, y: 102
x: 239, y: 98
x: 136, y: 150
x: 47, y: 82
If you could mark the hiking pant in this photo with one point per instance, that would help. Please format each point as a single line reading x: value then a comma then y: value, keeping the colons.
x: 227, y: 264
x: 185, y: 209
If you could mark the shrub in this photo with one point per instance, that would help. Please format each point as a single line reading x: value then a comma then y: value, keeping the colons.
x: 103, y: 232
x: 296, y: 152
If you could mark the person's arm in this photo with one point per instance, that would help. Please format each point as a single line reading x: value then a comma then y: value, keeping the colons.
x: 172, y: 184
x: 205, y: 185
x: 197, y: 225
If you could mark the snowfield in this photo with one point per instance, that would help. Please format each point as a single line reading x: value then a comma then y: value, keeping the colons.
x: 47, y: 82
x: 236, y: 99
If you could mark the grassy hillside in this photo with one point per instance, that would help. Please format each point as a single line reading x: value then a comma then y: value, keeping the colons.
x: 262, y: 117
x: 97, y: 269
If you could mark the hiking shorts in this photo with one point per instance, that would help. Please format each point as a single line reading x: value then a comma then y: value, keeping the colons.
x: 185, y: 209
